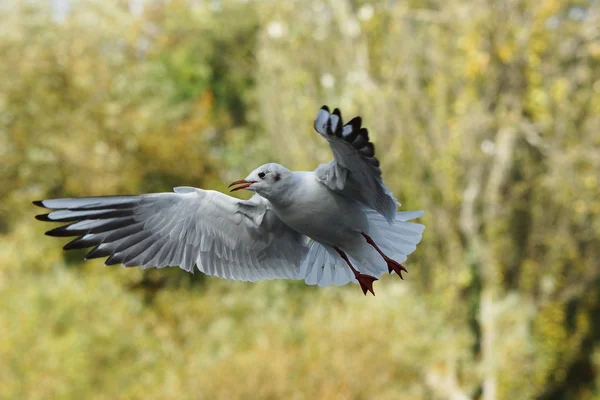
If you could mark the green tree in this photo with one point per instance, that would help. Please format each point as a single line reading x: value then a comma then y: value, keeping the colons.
x: 485, y: 114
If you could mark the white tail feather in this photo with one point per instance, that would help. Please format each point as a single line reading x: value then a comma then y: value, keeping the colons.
x: 323, y: 266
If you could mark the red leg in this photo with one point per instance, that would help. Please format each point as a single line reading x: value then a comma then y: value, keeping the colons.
x: 392, y: 265
x: 366, y: 281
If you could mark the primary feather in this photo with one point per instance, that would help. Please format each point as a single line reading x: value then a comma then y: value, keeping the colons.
x: 355, y: 171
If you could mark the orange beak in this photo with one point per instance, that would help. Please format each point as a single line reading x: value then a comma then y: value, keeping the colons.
x: 244, y: 184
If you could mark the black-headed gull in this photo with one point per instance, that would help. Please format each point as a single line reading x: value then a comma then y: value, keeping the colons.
x: 334, y: 225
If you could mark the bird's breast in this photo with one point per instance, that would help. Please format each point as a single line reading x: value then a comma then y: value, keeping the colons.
x: 323, y: 215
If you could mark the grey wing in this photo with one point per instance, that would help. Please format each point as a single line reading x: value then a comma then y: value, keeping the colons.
x: 355, y: 171
x: 223, y: 236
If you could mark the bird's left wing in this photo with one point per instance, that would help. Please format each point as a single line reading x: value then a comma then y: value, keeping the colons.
x: 355, y: 171
x: 222, y: 235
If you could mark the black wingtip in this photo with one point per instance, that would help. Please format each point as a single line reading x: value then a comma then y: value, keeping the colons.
x: 367, y: 150
x: 72, y: 245
x: 337, y: 112
x: 39, y: 203
x: 355, y: 122
x: 43, y: 217
x: 62, y: 231
x: 114, y: 259
x: 77, y: 244
x: 325, y: 108
x: 98, y: 252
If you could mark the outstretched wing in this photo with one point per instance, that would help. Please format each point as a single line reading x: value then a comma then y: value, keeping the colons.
x: 223, y: 236
x: 354, y: 172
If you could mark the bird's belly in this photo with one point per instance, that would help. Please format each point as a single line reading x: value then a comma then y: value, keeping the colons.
x: 333, y: 220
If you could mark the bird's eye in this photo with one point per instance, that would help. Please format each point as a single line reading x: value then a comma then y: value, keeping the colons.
x: 261, y: 175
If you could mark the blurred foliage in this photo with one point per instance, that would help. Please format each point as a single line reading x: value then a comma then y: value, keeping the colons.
x: 486, y: 114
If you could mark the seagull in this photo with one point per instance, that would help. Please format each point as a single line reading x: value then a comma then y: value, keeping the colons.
x: 334, y: 225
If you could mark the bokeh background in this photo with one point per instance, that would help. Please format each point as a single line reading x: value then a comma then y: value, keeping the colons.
x: 485, y: 113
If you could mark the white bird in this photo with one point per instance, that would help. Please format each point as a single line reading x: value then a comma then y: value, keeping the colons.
x: 334, y: 225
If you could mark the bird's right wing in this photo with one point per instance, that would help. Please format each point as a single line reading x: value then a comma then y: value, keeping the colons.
x: 354, y: 172
x: 223, y: 236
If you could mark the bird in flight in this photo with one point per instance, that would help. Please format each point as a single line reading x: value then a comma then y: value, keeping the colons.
x: 334, y: 225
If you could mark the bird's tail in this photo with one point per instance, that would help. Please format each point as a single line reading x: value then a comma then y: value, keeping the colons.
x: 396, y: 241
x: 323, y: 266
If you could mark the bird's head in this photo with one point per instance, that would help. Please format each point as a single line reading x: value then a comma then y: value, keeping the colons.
x: 267, y: 180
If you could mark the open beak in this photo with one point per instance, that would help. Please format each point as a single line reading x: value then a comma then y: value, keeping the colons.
x: 244, y: 184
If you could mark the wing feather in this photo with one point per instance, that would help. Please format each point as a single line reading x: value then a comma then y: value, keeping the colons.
x: 355, y: 171
x: 222, y: 235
